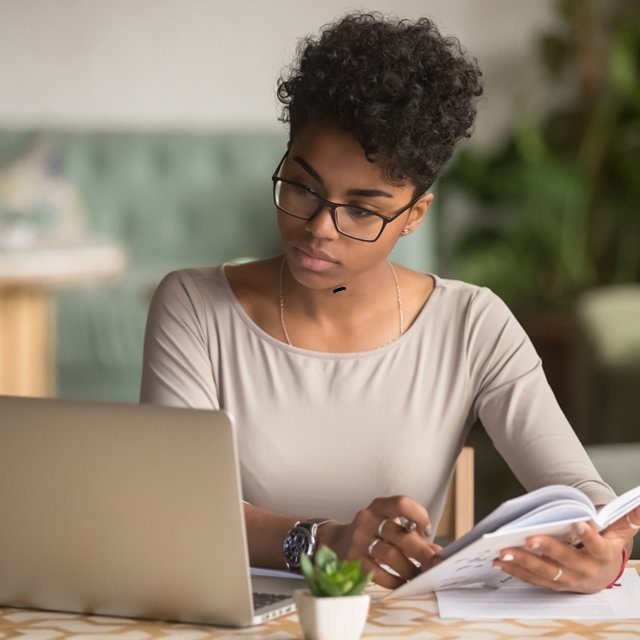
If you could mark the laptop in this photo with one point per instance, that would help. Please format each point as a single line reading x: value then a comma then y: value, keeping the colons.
x: 128, y: 510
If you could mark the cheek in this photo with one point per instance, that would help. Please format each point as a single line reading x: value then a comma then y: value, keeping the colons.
x: 365, y: 256
x: 288, y: 225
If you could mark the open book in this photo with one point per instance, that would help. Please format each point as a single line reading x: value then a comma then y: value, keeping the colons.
x: 550, y: 511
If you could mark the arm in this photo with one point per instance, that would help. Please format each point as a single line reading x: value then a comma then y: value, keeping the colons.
x: 517, y: 407
x: 519, y: 411
x: 265, y: 532
x: 176, y: 369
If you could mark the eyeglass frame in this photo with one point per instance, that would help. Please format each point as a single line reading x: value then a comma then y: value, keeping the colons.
x: 386, y: 219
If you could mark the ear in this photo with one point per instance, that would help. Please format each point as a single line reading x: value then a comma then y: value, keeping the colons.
x: 417, y: 214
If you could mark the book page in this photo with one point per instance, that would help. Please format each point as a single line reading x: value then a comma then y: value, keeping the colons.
x: 549, y: 511
x: 521, y: 600
x: 474, y: 563
x: 557, y: 511
x: 617, y: 508
x: 516, y: 508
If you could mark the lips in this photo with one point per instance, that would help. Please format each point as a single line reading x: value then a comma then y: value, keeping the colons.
x: 317, y: 254
x: 313, y: 260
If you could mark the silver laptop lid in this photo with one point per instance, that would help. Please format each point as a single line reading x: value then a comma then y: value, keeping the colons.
x: 119, y: 509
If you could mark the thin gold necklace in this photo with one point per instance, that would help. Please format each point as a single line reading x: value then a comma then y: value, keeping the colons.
x: 399, y: 299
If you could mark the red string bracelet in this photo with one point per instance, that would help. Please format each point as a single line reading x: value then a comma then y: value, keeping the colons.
x: 614, y: 582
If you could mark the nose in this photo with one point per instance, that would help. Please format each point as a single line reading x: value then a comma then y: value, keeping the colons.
x: 321, y: 225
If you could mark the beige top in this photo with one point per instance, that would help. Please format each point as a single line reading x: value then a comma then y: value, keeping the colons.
x: 323, y: 434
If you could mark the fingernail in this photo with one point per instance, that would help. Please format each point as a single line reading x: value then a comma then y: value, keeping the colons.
x: 507, y: 557
x: 580, y: 528
x: 427, y: 531
x: 533, y: 545
x: 496, y: 566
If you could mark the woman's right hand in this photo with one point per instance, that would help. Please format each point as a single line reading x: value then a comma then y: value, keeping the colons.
x: 396, y: 546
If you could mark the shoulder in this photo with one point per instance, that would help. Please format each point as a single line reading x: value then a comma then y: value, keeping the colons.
x: 475, y: 299
x: 190, y: 296
x: 475, y: 310
x: 192, y: 284
x: 211, y: 290
x: 457, y: 297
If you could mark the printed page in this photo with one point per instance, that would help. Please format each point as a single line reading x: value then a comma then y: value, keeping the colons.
x: 474, y: 564
x: 524, y: 601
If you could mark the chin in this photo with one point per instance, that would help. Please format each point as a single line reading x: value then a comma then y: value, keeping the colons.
x: 313, y: 279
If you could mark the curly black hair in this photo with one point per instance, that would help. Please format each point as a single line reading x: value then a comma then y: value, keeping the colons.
x: 405, y: 92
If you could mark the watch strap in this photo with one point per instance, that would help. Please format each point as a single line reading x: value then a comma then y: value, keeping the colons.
x: 311, y: 525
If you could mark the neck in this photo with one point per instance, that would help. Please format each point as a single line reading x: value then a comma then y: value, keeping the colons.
x: 367, y: 294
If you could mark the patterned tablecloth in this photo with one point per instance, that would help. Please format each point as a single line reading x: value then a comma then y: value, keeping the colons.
x: 388, y: 619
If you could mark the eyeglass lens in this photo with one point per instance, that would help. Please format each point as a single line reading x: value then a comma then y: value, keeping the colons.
x: 301, y: 203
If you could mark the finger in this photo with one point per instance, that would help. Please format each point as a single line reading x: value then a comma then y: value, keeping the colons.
x: 593, y: 543
x: 412, y: 545
x: 561, y: 552
x: 544, y: 568
x: 380, y: 576
x: 397, y: 506
x: 522, y: 573
x: 632, y: 520
x: 385, y: 553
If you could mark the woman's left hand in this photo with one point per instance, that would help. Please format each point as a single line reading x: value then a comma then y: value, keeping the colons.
x: 548, y: 562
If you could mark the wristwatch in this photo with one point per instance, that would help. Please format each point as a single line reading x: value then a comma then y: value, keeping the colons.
x: 302, y: 538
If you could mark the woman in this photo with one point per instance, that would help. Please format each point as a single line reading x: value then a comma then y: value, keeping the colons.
x: 354, y: 381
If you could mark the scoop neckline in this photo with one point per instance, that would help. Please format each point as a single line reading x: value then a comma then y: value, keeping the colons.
x: 327, y: 355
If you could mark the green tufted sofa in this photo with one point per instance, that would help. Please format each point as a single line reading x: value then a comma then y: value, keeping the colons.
x: 175, y: 199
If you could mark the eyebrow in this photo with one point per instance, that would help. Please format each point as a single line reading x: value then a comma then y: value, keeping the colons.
x: 367, y: 193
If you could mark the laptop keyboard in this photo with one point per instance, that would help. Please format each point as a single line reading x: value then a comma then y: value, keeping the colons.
x: 261, y: 600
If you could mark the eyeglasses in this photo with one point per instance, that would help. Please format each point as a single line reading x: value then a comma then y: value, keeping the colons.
x: 299, y: 201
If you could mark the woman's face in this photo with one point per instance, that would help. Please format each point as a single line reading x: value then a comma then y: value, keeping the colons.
x: 331, y: 163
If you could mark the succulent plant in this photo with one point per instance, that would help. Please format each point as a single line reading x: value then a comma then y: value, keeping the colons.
x: 329, y: 577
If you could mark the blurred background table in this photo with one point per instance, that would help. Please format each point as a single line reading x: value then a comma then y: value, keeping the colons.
x: 409, y: 618
x: 27, y: 313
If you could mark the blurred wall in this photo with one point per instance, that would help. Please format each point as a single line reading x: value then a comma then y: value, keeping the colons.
x: 205, y: 63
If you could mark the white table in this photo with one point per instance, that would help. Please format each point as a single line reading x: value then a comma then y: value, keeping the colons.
x: 413, y: 618
x: 27, y: 315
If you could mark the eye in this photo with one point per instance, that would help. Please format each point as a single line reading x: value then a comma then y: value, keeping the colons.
x: 357, y: 212
x: 303, y: 190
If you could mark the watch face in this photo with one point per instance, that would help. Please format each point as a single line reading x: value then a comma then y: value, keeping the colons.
x: 295, y: 544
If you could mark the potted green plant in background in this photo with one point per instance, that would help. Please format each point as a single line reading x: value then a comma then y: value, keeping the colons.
x: 557, y: 203
x: 333, y: 607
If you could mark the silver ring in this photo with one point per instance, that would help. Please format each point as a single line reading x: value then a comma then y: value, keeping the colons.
x: 634, y: 526
x: 408, y: 525
x: 379, y: 532
x: 372, y: 544
x: 557, y: 576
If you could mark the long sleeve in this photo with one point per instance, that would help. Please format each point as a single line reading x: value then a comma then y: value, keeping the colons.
x: 517, y: 407
x: 177, y: 367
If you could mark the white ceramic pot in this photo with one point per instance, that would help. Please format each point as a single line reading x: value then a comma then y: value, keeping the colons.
x: 340, y: 618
